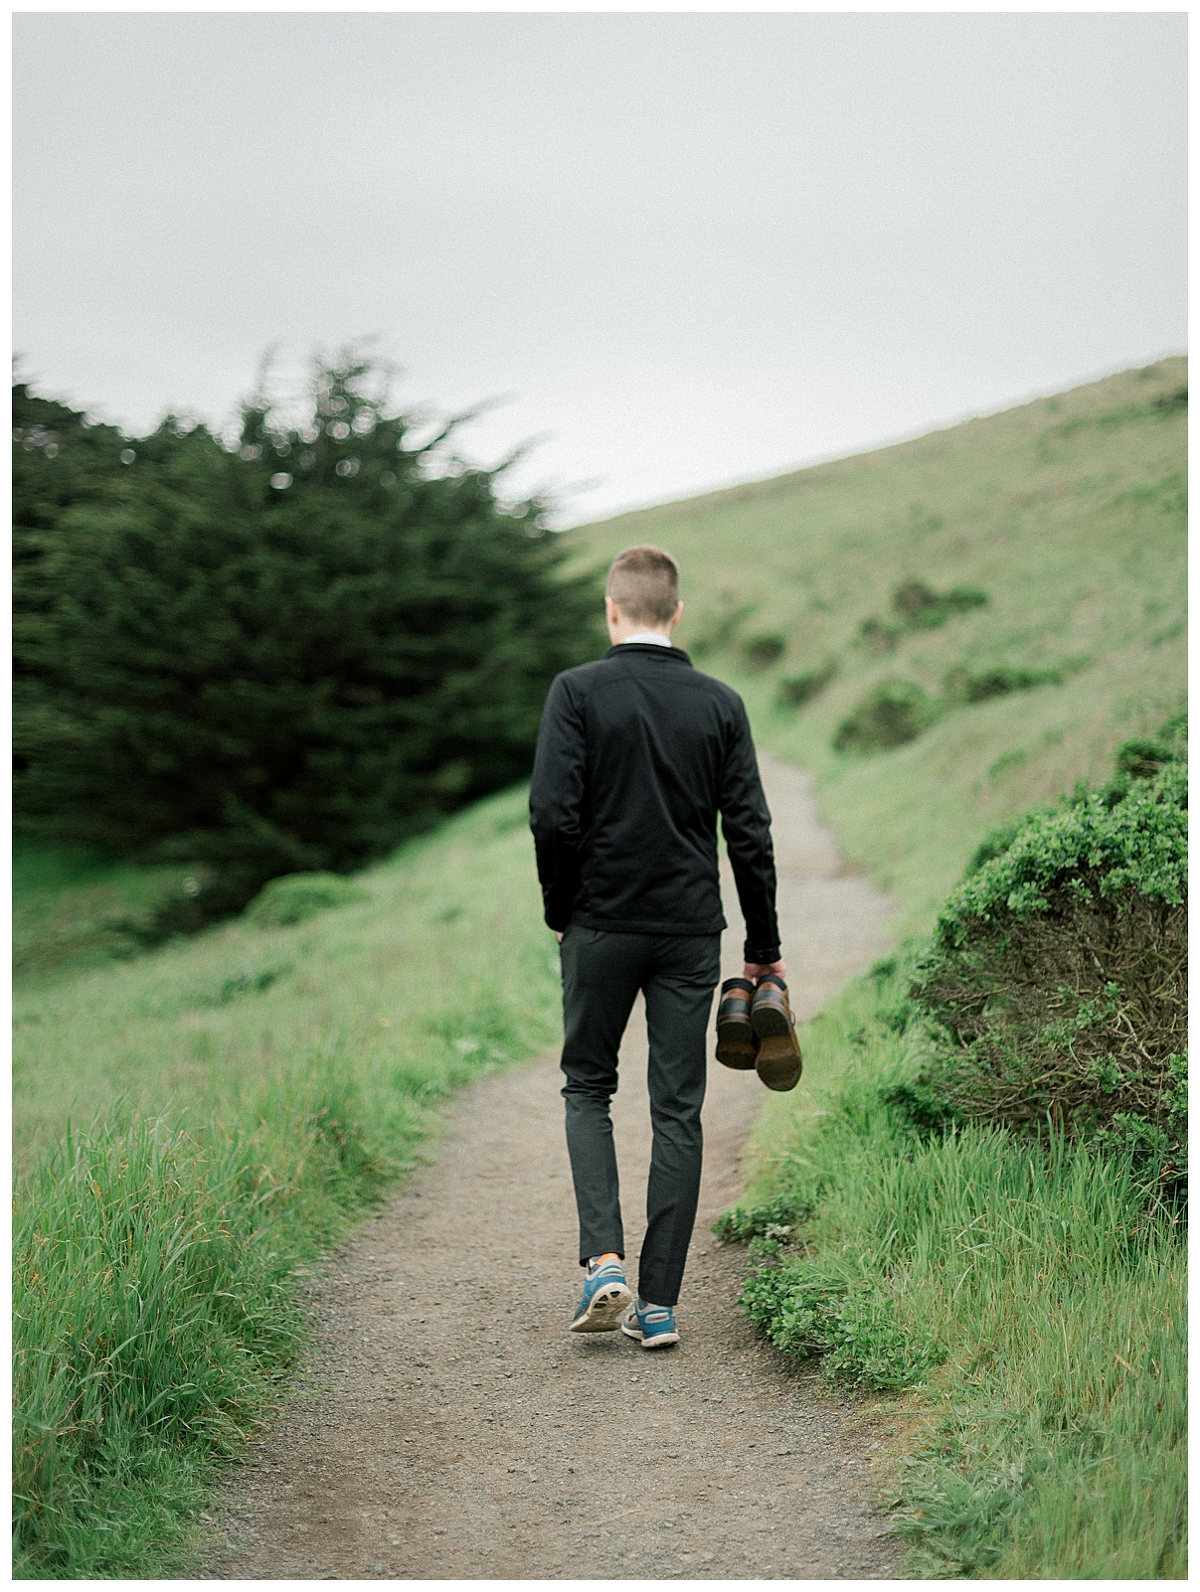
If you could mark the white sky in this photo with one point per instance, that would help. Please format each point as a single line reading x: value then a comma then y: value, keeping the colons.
x: 692, y: 247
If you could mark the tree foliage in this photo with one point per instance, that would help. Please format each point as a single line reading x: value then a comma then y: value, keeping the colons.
x: 285, y: 652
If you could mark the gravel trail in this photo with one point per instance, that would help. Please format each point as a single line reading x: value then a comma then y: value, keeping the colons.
x: 447, y: 1426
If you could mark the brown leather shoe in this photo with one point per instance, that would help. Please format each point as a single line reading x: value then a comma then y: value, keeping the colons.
x: 735, y: 1035
x: 778, y: 1060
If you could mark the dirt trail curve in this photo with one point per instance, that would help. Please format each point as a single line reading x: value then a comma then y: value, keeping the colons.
x: 447, y: 1426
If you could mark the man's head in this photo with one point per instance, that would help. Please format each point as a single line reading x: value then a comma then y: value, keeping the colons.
x: 642, y: 592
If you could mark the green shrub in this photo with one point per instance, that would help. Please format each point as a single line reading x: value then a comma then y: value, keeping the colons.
x: 1034, y: 1294
x: 1142, y: 759
x: 807, y: 1310
x: 961, y: 686
x: 797, y: 689
x: 766, y: 1228
x: 742, y: 1223
x: 892, y: 713
x: 762, y: 650
x: 876, y: 636
x: 283, y: 656
x: 920, y: 608
x: 1057, y: 969
x: 298, y: 896
x: 897, y: 711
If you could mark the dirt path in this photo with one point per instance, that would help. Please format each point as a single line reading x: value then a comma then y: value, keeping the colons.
x: 448, y: 1427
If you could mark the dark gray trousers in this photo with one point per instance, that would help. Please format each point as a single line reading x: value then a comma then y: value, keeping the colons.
x: 602, y: 973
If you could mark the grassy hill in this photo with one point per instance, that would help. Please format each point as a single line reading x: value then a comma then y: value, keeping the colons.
x: 195, y: 1124
x: 1047, y: 1432
x: 296, y: 1066
x: 1068, y: 514
x: 202, y: 1026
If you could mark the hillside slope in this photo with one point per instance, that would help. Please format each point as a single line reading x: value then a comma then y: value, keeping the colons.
x: 1068, y: 514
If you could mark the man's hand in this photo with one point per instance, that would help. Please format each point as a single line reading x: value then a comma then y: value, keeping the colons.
x: 558, y: 936
x: 755, y: 970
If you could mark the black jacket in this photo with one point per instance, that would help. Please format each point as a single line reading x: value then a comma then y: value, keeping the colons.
x: 636, y: 755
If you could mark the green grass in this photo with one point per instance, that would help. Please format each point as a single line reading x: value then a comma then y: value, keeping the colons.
x: 156, y: 1309
x: 72, y: 908
x: 1043, y: 1453
x: 1053, y: 1435
x: 203, y: 1023
x: 245, y: 1092
x: 1069, y: 513
x: 243, y: 1095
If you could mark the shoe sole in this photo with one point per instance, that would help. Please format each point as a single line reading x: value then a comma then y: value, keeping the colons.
x: 779, y: 1062
x: 770, y: 1022
x: 662, y: 1340
x: 603, y: 1314
x: 735, y: 1047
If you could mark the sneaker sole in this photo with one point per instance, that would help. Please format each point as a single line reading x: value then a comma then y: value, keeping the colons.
x: 604, y: 1312
x: 663, y: 1340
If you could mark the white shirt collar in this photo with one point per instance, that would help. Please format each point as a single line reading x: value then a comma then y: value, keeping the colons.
x: 649, y: 635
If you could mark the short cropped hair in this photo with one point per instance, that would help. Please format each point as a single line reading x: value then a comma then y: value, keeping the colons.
x: 644, y: 584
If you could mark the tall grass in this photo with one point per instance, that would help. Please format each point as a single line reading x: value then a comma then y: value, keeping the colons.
x: 1033, y: 1294
x: 156, y: 1307
x: 159, y: 1255
x: 206, y: 1023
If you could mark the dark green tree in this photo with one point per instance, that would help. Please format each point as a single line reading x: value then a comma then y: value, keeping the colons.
x: 59, y: 459
x: 285, y: 652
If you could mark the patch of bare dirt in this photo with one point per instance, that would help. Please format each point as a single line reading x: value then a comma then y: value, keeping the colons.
x: 446, y: 1425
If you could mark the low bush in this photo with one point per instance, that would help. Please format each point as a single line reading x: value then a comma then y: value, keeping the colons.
x: 982, y: 1208
x: 920, y: 608
x: 892, y: 713
x: 764, y: 649
x: 798, y: 689
x: 876, y: 636
x: 1056, y: 976
x: 1030, y: 1299
x: 809, y: 1309
x: 296, y: 897
x: 766, y: 1228
x: 897, y: 711
x: 916, y: 606
x: 961, y: 686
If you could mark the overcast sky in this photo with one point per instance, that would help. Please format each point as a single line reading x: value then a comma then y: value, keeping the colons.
x: 693, y: 248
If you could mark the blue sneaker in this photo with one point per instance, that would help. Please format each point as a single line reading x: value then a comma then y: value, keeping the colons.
x: 653, y: 1326
x: 606, y: 1295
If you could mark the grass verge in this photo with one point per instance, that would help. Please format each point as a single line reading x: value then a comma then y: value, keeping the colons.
x: 270, y: 1080
x: 1036, y: 1305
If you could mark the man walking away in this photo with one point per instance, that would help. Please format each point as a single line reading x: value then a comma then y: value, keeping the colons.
x: 636, y: 756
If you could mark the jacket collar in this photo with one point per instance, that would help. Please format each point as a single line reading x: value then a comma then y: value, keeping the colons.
x: 650, y: 647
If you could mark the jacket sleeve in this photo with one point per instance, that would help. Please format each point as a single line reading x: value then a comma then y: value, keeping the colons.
x: 556, y: 802
x: 746, y: 825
